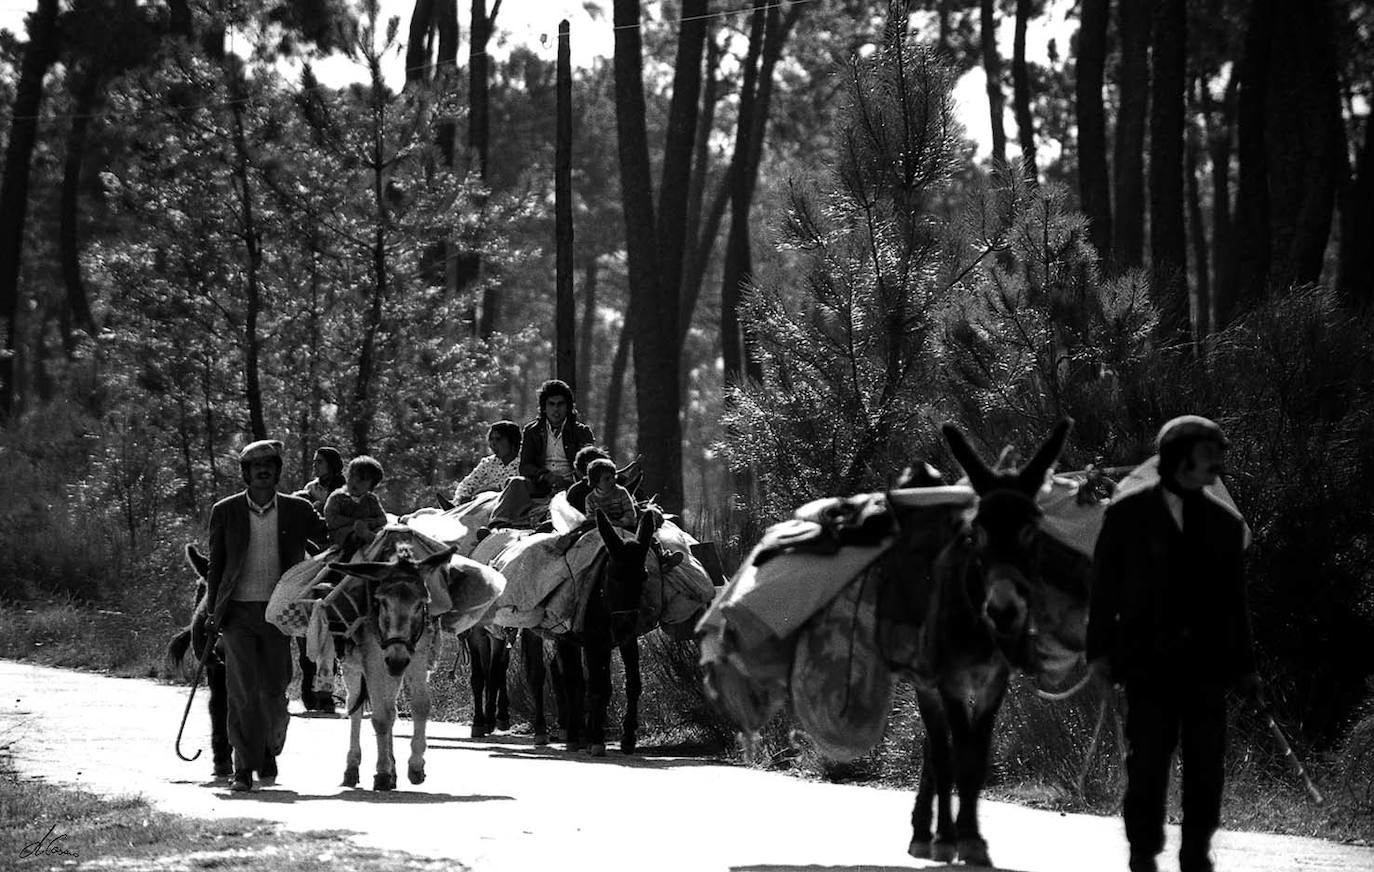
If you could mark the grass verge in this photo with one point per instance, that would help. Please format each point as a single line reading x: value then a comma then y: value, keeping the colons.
x: 48, y: 827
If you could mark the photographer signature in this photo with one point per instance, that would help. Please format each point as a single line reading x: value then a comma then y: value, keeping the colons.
x: 50, y: 844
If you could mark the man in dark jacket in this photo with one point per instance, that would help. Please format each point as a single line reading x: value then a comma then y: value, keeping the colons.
x: 255, y: 535
x: 548, y: 446
x: 1168, y: 619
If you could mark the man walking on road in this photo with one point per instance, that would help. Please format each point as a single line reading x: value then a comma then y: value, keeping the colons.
x: 1168, y: 619
x: 254, y: 536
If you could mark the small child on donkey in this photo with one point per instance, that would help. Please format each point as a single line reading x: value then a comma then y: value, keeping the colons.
x: 353, y: 513
x: 613, y: 499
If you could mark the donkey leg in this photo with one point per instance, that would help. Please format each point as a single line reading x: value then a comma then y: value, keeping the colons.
x: 937, y: 784
x: 629, y: 658
x: 598, y: 660
x: 309, y: 698
x: 383, y: 719
x: 353, y: 683
x: 532, y: 652
x: 972, y: 742
x: 220, y: 748
x: 477, y: 678
x: 570, y: 664
x: 560, y: 696
x: 417, y: 680
x: 500, y: 665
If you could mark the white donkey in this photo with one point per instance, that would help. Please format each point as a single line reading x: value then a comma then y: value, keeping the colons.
x: 397, y: 640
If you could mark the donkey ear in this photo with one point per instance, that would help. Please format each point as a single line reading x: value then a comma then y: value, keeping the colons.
x: 437, y: 559
x: 369, y: 571
x: 645, y: 532
x: 199, y: 562
x: 978, y: 474
x: 608, y: 533
x: 1033, y: 475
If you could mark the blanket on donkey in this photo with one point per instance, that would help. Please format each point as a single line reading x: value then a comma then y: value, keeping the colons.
x: 813, y: 590
x: 549, y: 589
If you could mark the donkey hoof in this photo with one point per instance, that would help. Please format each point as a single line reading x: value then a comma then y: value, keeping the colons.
x: 942, y: 851
x: 597, y: 749
x: 416, y: 774
x: 478, y: 731
x: 920, y: 849
x: 384, y: 781
x: 541, y: 738
x: 351, y: 777
x: 974, y: 852
x: 627, y: 746
x: 503, y: 724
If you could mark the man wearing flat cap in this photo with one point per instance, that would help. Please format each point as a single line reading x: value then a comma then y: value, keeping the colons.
x: 1168, y: 620
x: 254, y: 536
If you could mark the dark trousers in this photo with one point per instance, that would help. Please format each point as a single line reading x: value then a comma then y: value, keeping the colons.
x: 257, y: 661
x: 1158, y: 715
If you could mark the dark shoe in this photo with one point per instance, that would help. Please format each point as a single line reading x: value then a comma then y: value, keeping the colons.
x: 1143, y: 863
x: 243, y: 782
x: 1194, y: 862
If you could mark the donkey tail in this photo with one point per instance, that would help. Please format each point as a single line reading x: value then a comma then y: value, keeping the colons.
x: 176, y: 649
x: 362, y: 697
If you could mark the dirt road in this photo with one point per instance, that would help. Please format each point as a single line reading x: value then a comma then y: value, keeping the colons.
x: 503, y: 805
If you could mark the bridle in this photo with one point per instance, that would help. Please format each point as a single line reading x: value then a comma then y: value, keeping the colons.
x: 417, y: 631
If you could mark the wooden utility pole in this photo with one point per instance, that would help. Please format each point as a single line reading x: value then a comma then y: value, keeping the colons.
x: 565, y: 356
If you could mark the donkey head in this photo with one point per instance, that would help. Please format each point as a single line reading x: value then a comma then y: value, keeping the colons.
x: 399, y: 603
x: 623, y: 583
x: 1003, y: 534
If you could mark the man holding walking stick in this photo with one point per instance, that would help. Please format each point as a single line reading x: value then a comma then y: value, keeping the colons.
x: 254, y: 536
x: 1168, y: 620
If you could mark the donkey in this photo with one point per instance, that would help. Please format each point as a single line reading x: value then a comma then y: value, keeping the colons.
x: 612, y: 622
x: 397, y: 641
x: 489, y: 651
x: 978, y: 628
x: 195, y: 637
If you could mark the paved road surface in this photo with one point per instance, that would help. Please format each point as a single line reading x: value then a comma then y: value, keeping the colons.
x: 505, y: 806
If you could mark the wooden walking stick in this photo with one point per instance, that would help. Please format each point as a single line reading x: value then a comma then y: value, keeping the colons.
x: 211, y: 639
x: 1291, y: 756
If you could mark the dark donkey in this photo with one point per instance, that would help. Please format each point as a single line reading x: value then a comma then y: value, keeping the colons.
x: 489, y: 652
x: 612, y: 622
x: 985, y: 592
x: 195, y: 637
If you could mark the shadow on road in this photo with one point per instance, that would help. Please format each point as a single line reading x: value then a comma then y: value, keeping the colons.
x: 786, y: 867
x: 383, y: 797
x: 521, y: 747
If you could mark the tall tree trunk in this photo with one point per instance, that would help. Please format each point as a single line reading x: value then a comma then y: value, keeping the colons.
x: 1168, y: 235
x: 1094, y: 183
x: 1220, y: 130
x: 699, y: 257
x: 587, y: 335
x: 737, y: 258
x: 1197, y: 231
x: 655, y: 344
x: 77, y: 305
x: 364, y: 403
x: 252, y: 243
x: 1305, y: 136
x: 992, y: 67
x: 1356, y: 278
x: 419, y: 67
x: 479, y: 126
x: 615, y: 386
x: 942, y: 12
x: 692, y: 269
x: 565, y: 359
x: 39, y: 55
x: 1021, y: 95
x: 1249, y: 278
x: 1128, y: 220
